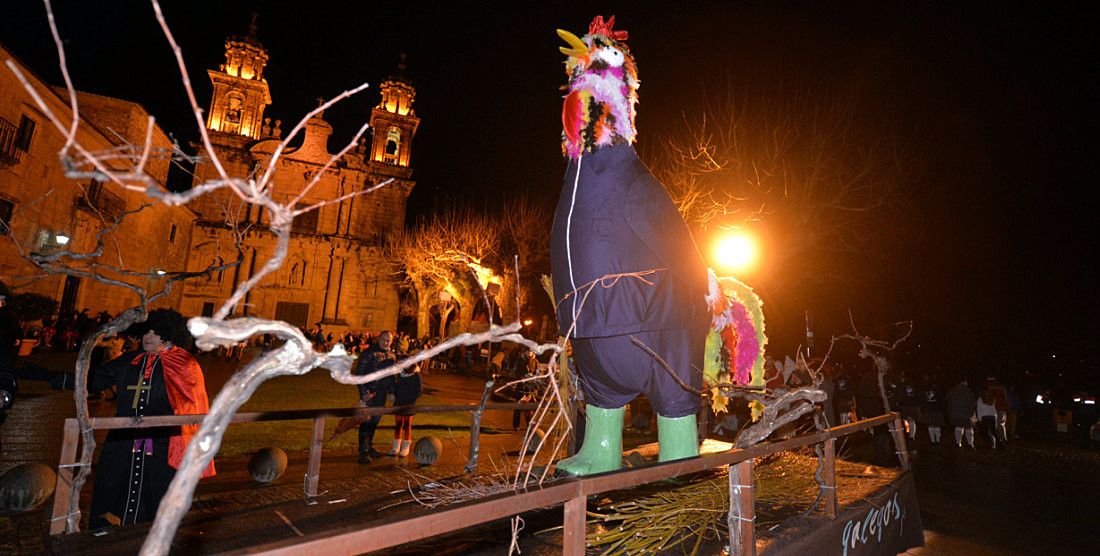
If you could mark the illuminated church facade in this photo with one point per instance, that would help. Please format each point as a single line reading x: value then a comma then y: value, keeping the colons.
x: 335, y: 271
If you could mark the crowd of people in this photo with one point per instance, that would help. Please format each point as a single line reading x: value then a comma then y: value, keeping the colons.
x: 988, y: 409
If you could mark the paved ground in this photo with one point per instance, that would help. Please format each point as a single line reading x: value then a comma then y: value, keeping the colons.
x: 32, y: 434
x: 1037, y: 497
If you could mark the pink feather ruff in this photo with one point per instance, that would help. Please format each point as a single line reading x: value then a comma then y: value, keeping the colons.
x: 747, y: 346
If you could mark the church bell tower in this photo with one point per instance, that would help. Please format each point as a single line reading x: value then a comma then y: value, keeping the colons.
x: 394, y: 122
x: 240, y: 90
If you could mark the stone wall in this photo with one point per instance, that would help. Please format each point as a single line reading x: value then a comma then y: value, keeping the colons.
x: 48, y: 205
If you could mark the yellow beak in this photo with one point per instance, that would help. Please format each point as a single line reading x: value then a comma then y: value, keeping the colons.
x: 578, y: 47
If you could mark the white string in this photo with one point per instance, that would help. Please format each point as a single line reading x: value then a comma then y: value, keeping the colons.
x: 517, y: 526
x: 739, y: 518
x: 568, y: 227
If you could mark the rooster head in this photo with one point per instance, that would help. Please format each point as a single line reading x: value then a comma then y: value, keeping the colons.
x: 602, y: 89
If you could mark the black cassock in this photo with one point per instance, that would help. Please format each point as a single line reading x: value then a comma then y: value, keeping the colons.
x: 133, y: 473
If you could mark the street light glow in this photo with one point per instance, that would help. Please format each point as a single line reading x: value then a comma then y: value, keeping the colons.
x: 735, y: 252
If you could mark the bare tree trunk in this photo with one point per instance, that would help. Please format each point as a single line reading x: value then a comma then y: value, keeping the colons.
x: 80, y: 397
x: 290, y: 358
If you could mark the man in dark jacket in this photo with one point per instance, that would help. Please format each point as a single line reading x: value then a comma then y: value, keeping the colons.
x: 960, y: 412
x: 374, y: 393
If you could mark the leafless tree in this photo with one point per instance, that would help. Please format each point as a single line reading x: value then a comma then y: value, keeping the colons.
x: 434, y: 257
x: 525, y: 231
x: 825, y: 170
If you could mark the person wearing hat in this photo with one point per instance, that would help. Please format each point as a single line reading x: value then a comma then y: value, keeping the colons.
x: 161, y: 378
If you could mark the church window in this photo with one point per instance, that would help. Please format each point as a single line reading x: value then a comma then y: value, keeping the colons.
x: 172, y: 234
x: 393, y: 146
x: 234, y: 103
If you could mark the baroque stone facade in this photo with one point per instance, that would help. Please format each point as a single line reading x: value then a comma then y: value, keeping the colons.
x: 334, y: 273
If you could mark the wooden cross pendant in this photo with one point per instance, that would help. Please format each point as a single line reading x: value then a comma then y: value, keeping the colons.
x: 137, y: 388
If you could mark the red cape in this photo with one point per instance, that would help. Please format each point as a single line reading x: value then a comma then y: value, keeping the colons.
x: 187, y: 394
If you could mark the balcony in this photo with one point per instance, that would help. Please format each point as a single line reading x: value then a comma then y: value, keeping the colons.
x: 102, y: 202
x: 10, y: 153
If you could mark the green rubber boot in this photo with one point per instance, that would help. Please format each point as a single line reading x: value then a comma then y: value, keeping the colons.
x: 678, y: 437
x: 603, y: 443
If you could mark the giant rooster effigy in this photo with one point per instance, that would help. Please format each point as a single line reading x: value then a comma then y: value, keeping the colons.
x: 625, y: 267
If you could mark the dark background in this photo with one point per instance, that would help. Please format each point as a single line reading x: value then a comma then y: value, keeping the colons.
x: 1001, y: 276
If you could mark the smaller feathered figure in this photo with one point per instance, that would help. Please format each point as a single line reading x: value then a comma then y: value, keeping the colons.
x: 736, y: 340
x: 603, y: 89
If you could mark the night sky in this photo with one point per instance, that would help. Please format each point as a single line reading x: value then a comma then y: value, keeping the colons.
x: 998, y: 272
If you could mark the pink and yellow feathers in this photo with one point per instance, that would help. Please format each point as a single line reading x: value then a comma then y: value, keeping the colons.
x: 603, y: 89
x: 736, y: 341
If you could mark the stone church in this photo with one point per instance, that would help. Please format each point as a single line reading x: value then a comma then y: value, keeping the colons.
x: 335, y: 273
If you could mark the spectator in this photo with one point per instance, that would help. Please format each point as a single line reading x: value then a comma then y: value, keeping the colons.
x: 986, y: 410
x: 932, y: 408
x: 960, y: 412
x: 406, y: 391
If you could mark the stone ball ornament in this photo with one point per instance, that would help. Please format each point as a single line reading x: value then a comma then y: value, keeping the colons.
x: 25, y: 487
x: 427, y: 450
x: 267, y: 465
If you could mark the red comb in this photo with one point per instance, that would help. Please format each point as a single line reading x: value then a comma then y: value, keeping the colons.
x: 599, y: 27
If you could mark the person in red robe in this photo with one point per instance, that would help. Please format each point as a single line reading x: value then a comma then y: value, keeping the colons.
x: 136, y: 466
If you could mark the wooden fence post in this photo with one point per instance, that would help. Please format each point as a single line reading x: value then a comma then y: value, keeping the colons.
x: 742, y: 514
x: 830, y: 478
x: 899, y: 442
x: 313, y: 470
x: 573, y: 531
x: 63, y: 491
x: 475, y: 428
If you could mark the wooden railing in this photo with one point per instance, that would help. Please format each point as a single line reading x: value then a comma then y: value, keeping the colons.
x: 71, y: 438
x: 571, y: 493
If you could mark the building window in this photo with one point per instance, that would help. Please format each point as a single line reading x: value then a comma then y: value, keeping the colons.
x: 208, y: 309
x: 7, y: 208
x: 172, y: 234
x: 25, y: 134
x: 306, y: 223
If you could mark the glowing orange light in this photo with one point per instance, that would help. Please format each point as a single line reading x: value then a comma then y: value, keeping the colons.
x: 735, y: 252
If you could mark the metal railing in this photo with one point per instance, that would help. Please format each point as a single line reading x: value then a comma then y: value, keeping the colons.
x: 102, y: 201
x: 571, y: 493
